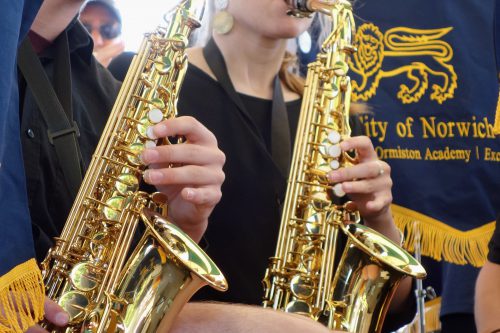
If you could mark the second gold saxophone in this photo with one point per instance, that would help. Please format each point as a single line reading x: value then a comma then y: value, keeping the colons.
x: 327, y: 266
x: 94, y: 272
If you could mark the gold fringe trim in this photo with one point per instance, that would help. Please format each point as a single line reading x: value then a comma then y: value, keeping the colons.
x: 496, y: 128
x: 441, y: 241
x: 21, y: 298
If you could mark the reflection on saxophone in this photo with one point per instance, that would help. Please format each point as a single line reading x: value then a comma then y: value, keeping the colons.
x: 92, y: 271
x: 327, y: 266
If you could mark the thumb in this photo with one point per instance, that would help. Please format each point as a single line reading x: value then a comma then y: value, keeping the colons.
x: 55, y: 314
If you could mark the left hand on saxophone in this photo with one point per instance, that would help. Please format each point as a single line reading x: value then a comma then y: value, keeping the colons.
x: 368, y: 184
x: 193, y: 187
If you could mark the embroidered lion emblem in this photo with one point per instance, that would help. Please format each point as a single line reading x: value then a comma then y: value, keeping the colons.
x: 426, y: 61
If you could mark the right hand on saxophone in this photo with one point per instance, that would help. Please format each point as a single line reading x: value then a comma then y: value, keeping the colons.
x: 368, y: 184
x: 194, y: 187
x: 54, y: 314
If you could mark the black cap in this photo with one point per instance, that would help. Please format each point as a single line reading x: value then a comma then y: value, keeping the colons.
x: 109, y: 4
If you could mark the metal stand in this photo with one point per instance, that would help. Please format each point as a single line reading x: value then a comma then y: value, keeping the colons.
x: 420, y: 292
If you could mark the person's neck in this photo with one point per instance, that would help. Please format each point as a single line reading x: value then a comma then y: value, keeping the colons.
x: 252, y: 61
x: 54, y: 16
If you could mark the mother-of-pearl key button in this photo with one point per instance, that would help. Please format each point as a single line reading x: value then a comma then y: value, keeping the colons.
x: 334, y: 137
x: 150, y: 144
x: 155, y: 116
x: 150, y: 134
x: 334, y: 151
x: 337, y: 190
x: 334, y: 164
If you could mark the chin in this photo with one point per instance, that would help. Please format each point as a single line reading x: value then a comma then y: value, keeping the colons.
x: 291, y: 27
x: 292, y: 31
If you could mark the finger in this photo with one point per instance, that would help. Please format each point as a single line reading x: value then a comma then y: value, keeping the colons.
x: 203, y: 196
x: 370, y: 204
x: 378, y: 204
x: 36, y: 329
x: 193, y: 175
x: 55, y: 314
x: 363, y: 146
x: 112, y: 49
x: 183, y: 153
x: 367, y: 186
x: 370, y: 169
x: 185, y: 126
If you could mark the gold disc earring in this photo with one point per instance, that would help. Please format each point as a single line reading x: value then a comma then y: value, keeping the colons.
x: 223, y: 21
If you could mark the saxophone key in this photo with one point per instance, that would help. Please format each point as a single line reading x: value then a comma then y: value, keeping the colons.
x: 163, y: 65
x: 334, y: 137
x: 334, y: 151
x: 338, y: 191
x: 155, y: 115
x: 84, y: 277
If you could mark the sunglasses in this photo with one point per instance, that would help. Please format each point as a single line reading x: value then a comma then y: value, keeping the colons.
x: 107, y: 31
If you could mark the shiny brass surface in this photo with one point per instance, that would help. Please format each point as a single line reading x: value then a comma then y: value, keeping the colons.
x: 105, y: 283
x: 327, y: 266
x: 304, y: 8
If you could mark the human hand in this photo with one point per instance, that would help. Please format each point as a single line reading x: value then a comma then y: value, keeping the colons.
x: 54, y: 314
x: 368, y: 183
x: 193, y: 186
x: 105, y: 53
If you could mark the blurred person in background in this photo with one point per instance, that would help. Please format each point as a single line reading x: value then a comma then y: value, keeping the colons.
x: 103, y: 21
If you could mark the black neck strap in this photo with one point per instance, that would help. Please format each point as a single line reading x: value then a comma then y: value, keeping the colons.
x: 54, y: 102
x: 280, y: 128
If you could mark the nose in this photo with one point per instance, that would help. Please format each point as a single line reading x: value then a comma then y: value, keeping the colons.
x: 97, y: 38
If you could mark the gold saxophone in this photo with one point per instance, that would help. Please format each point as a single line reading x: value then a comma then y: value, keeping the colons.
x: 92, y: 271
x: 327, y: 266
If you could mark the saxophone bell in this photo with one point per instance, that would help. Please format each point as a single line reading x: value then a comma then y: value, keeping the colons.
x: 369, y: 271
x: 162, y: 274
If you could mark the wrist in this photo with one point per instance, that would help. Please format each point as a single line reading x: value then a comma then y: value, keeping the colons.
x: 384, y: 224
x: 194, y: 230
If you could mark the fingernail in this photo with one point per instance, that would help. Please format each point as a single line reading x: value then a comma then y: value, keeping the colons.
x: 345, y: 146
x: 346, y: 187
x: 189, y: 194
x: 152, y: 176
x: 61, y: 319
x: 149, y: 156
x: 160, y: 130
x: 333, y: 176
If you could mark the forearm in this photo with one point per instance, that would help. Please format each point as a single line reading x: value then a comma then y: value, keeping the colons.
x: 235, y: 318
x: 193, y: 230
x: 401, y: 295
x: 487, y: 302
x: 384, y: 224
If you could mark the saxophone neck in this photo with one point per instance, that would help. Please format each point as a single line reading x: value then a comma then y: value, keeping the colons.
x: 304, y: 8
x: 194, y: 9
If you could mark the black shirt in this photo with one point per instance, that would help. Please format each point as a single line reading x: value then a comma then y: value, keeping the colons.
x: 243, y: 228
x: 94, y: 91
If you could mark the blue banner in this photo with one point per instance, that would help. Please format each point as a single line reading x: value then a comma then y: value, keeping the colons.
x: 428, y: 71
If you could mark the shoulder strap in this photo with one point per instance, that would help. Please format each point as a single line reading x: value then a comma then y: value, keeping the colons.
x: 62, y: 130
